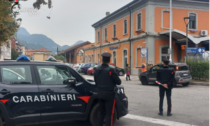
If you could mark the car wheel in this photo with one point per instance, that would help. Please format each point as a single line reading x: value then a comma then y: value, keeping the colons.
x: 121, y: 73
x: 95, y: 114
x: 144, y: 81
x: 185, y: 84
x: 174, y: 84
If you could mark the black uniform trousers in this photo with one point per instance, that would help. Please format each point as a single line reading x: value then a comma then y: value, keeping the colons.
x: 162, y: 91
x: 106, y: 109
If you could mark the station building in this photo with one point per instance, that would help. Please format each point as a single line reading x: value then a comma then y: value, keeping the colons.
x: 145, y: 23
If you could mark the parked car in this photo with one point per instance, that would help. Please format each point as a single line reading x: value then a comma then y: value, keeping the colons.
x: 76, y: 66
x: 48, y: 91
x: 182, y: 74
x: 119, y: 71
x: 85, y: 68
x: 80, y: 66
x: 90, y: 71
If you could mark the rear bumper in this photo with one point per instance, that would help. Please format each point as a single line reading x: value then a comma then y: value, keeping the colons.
x: 181, y: 80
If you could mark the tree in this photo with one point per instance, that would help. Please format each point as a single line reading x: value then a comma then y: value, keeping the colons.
x: 38, y: 3
x: 8, y: 23
x: 14, y: 54
x: 57, y: 50
x: 60, y: 57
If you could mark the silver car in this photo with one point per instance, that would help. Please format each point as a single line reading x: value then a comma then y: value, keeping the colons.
x: 182, y: 74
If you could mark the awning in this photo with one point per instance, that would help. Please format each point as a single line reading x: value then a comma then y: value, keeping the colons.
x: 181, y: 36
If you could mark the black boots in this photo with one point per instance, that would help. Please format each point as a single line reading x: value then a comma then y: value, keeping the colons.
x: 169, y: 114
x: 160, y: 113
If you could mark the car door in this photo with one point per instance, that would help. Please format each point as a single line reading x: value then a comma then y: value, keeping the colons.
x: 152, y: 73
x: 18, y: 92
x: 61, y: 101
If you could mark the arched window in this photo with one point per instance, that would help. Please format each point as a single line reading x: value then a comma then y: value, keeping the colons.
x: 114, y: 31
x: 139, y: 21
x: 105, y: 33
x: 192, y: 21
x: 89, y: 59
x: 125, y: 27
x: 98, y: 36
x: 115, y: 58
x: 125, y: 57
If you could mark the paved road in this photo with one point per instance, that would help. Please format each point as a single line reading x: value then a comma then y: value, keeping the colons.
x: 190, y: 106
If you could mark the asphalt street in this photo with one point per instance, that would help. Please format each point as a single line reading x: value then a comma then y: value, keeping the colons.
x: 190, y: 106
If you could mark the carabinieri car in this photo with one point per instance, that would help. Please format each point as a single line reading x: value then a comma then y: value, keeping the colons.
x: 47, y: 92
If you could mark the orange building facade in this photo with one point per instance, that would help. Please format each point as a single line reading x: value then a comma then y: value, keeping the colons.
x: 145, y: 23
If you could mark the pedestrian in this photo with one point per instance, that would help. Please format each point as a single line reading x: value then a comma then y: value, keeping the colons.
x: 144, y: 68
x: 165, y: 76
x: 127, y: 72
x: 106, y: 80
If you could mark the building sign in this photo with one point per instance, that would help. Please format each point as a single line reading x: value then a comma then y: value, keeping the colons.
x: 195, y: 49
x: 144, y: 52
x: 183, y: 47
x: 114, y: 47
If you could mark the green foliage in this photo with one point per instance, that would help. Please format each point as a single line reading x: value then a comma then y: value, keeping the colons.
x: 8, y: 23
x: 199, y: 68
x: 14, y: 54
x: 60, y: 57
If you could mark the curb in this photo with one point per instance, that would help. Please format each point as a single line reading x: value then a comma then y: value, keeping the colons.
x: 200, y: 83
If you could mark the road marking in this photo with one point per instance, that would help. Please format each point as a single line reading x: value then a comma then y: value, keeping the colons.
x: 156, y: 121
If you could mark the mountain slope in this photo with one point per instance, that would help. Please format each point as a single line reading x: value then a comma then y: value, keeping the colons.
x: 36, y: 41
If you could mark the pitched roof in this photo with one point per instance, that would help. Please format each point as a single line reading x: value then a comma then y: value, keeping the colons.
x: 74, y: 47
x: 42, y: 50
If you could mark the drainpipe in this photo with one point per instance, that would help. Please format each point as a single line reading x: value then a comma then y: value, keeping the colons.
x: 130, y: 37
x: 101, y: 42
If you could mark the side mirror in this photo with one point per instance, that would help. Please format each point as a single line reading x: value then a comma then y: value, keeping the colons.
x: 72, y: 82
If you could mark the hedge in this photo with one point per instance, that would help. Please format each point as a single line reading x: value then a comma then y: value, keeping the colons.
x: 199, y: 69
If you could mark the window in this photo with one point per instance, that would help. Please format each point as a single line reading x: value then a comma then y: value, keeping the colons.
x: 114, y: 31
x: 125, y: 26
x: 192, y: 22
x: 105, y: 33
x: 114, y: 58
x: 92, y: 58
x: 89, y: 59
x: 139, y: 21
x: 164, y: 53
x: 85, y: 59
x: 16, y: 74
x: 155, y: 68
x: 54, y: 75
x: 125, y: 53
x: 98, y: 36
x: 98, y: 58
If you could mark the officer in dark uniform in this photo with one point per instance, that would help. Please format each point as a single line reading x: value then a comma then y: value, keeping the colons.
x: 165, y: 76
x: 106, y: 80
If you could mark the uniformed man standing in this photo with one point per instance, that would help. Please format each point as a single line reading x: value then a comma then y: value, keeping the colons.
x: 106, y: 79
x: 165, y: 76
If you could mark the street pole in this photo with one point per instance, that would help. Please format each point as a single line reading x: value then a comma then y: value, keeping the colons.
x: 170, y: 51
x: 186, y: 44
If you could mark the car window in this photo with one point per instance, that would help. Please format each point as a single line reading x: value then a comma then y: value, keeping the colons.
x: 54, y: 74
x: 112, y: 66
x: 92, y: 64
x: 155, y: 68
x: 183, y: 68
x: 16, y: 74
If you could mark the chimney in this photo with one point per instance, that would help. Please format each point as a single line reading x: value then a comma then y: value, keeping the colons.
x: 107, y: 13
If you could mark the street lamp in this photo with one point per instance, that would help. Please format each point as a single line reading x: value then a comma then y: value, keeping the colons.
x: 186, y: 20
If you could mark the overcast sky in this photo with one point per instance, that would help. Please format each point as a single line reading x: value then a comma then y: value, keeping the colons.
x: 70, y: 21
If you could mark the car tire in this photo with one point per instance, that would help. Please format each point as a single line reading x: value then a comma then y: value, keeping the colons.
x: 121, y: 73
x: 144, y: 81
x: 174, y: 84
x: 94, y: 116
x: 1, y: 122
x: 185, y: 84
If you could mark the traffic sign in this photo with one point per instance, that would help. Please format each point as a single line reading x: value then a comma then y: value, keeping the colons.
x: 195, y: 50
x: 143, y: 52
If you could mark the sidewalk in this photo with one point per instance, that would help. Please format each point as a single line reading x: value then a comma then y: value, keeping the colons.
x: 136, y: 78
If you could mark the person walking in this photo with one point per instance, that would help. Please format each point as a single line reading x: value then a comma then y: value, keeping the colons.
x: 106, y: 80
x: 127, y: 72
x: 165, y: 76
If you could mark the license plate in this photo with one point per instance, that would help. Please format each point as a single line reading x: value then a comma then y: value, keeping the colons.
x: 185, y: 74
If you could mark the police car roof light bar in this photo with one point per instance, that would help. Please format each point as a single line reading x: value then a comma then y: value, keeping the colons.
x: 23, y: 58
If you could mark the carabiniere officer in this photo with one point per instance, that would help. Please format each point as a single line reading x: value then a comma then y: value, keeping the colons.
x: 165, y: 76
x: 106, y: 80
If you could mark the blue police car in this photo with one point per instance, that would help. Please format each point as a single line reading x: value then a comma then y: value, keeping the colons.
x: 44, y: 92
